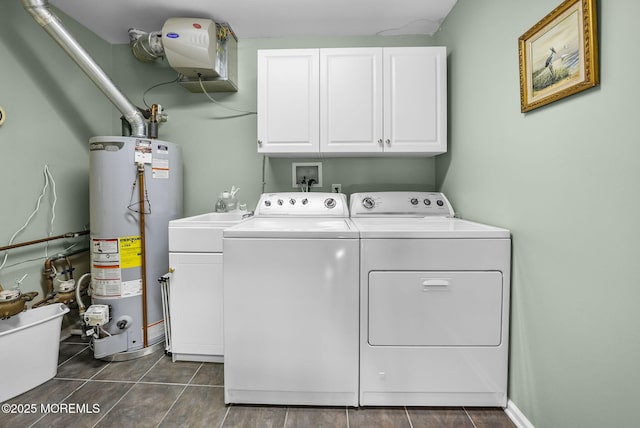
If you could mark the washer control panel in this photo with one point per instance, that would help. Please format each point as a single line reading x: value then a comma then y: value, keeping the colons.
x: 400, y: 204
x: 302, y: 204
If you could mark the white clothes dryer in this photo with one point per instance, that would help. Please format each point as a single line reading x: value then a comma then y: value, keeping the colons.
x: 434, y: 303
x: 291, y: 303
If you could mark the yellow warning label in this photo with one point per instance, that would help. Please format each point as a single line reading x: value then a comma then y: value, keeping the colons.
x: 130, y: 251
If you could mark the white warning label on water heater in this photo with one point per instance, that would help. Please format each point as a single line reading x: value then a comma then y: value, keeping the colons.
x: 160, y: 168
x: 108, y: 258
x: 143, y: 152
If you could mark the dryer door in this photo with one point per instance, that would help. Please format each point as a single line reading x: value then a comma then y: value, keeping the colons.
x: 435, y: 308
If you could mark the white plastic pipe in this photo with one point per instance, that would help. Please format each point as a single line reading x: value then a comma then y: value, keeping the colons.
x: 39, y: 9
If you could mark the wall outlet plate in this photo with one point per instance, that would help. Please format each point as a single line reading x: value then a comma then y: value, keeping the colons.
x: 336, y: 188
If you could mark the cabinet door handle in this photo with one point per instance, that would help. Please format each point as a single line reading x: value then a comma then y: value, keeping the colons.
x: 259, y: 143
x: 380, y: 141
x: 388, y: 141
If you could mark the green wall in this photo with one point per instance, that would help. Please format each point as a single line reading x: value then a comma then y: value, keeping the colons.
x: 564, y: 178
x: 52, y: 109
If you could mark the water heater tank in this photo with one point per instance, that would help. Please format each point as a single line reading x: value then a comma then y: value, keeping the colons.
x: 116, y: 253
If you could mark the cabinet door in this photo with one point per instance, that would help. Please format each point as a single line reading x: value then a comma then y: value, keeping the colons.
x: 351, y: 100
x: 196, y: 305
x: 288, y: 91
x: 415, y: 93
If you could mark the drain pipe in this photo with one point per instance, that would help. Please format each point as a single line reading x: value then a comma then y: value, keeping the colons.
x: 39, y: 10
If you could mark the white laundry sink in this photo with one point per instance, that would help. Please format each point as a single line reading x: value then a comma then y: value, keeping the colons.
x: 202, y: 233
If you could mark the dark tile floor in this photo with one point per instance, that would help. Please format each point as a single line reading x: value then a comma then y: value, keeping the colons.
x: 152, y: 391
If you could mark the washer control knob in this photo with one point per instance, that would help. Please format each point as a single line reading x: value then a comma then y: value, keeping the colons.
x: 330, y: 203
x: 267, y: 203
x: 414, y: 201
x: 440, y: 203
x: 305, y: 201
x: 280, y: 202
x: 292, y: 201
x: 368, y: 203
x: 427, y: 201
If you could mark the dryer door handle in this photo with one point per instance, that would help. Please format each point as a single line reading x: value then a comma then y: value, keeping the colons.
x: 439, y: 284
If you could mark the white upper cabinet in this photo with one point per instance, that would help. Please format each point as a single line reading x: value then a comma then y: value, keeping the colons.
x: 365, y: 102
x: 351, y: 100
x: 415, y: 94
x: 288, y: 101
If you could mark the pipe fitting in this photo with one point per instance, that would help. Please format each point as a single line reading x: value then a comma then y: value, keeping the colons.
x: 14, y: 302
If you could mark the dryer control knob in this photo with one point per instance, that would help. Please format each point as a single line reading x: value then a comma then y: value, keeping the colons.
x: 330, y: 203
x: 414, y: 201
x: 292, y: 201
x: 305, y: 201
x: 427, y: 202
x: 280, y: 202
x: 368, y: 203
x: 267, y: 203
x: 440, y: 203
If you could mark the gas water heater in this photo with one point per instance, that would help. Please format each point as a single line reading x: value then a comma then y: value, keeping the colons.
x: 135, y: 190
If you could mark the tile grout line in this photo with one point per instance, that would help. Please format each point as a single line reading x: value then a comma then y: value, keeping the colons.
x: 470, y: 418
x: 179, y: 395
x: 140, y: 382
x: 84, y: 382
x: 119, y: 400
x: 406, y: 412
x: 150, y: 368
x: 123, y: 395
x: 64, y: 398
x: 225, y: 416
x: 286, y: 416
x: 114, y: 405
x: 73, y: 356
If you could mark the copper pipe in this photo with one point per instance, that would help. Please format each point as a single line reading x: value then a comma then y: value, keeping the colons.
x: 154, y: 113
x: 39, y: 241
x: 142, y: 254
x: 50, y: 275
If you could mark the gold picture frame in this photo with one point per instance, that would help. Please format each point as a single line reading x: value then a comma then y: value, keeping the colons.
x: 559, y: 55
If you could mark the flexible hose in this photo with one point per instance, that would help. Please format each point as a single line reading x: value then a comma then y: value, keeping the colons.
x: 81, y: 306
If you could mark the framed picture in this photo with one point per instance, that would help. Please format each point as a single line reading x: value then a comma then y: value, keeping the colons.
x: 559, y: 55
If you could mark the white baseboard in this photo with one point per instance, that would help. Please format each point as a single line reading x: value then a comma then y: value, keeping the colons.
x: 516, y: 416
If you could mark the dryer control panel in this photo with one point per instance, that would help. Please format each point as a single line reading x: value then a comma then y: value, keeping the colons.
x: 302, y: 204
x: 400, y: 204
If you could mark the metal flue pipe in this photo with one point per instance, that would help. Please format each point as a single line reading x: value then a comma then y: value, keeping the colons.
x: 40, y: 11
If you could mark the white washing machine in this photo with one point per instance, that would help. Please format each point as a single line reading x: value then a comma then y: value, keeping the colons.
x: 291, y: 303
x: 434, y: 303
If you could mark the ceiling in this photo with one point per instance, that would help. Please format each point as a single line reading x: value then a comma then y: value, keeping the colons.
x: 112, y: 19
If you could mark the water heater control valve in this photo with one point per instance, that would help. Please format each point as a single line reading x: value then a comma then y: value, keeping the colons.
x: 96, y: 315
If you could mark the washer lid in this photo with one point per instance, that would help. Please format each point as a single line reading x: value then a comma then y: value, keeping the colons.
x: 426, y: 227
x: 293, y: 227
